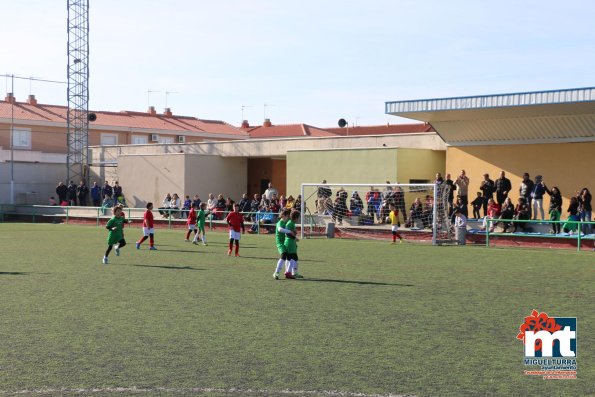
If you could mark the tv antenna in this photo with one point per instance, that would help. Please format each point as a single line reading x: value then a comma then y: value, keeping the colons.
x: 149, y: 92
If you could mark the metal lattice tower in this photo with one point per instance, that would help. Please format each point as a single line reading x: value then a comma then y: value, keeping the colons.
x: 78, y: 90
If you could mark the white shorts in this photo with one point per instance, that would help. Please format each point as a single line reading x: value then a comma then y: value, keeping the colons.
x: 148, y: 230
x: 235, y: 235
x: 192, y: 226
x: 394, y: 228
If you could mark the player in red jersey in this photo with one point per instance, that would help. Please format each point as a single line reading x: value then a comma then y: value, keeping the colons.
x: 191, y: 222
x: 235, y: 220
x: 148, y: 229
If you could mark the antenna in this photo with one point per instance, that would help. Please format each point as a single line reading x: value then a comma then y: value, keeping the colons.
x: 243, y: 107
x: 149, y: 92
x: 265, y: 106
x: 166, y: 95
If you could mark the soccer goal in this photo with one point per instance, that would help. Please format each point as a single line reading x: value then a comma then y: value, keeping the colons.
x: 362, y: 211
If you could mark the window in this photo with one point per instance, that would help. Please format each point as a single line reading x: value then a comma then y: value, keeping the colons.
x: 140, y: 139
x: 166, y: 139
x: 109, y: 139
x: 418, y: 188
x: 21, y: 138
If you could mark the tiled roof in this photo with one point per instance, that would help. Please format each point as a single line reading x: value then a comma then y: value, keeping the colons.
x: 287, y: 130
x: 125, y: 119
x: 384, y: 129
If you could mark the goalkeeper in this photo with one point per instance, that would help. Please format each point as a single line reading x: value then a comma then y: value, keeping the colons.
x: 394, y: 220
x: 280, y: 232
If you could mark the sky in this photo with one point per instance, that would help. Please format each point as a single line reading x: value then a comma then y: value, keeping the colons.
x: 309, y: 61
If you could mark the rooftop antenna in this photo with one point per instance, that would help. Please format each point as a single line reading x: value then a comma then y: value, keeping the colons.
x: 167, y: 94
x: 244, y: 107
x: 149, y: 92
x: 265, y: 106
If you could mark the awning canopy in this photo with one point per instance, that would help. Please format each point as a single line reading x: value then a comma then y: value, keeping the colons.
x: 530, y: 117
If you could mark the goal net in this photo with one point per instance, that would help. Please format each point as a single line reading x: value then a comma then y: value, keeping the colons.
x: 362, y: 211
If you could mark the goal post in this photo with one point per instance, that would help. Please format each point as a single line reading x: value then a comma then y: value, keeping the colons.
x: 361, y: 210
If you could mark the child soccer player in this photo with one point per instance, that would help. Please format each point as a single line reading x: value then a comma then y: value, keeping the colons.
x: 280, y: 232
x: 394, y: 221
x: 191, y: 222
x: 148, y: 229
x: 115, y: 235
x: 235, y: 220
x: 200, y: 224
x: 460, y: 227
x: 291, y: 240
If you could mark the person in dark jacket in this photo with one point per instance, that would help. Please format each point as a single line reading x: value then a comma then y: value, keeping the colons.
x: 585, y: 208
x: 62, y: 192
x: 526, y: 189
x: 107, y: 190
x: 96, y: 194
x: 71, y: 194
x: 487, y: 188
x: 555, y: 207
x: 82, y: 193
x: 503, y: 186
x: 537, y: 197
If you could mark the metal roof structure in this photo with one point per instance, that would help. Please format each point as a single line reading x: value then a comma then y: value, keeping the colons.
x: 528, y: 117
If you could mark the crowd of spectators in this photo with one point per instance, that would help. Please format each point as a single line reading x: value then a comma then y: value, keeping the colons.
x: 97, y: 196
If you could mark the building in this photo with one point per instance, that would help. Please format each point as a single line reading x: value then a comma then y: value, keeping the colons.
x: 548, y: 133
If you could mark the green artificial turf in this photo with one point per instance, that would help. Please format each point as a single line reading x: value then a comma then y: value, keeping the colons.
x: 369, y: 317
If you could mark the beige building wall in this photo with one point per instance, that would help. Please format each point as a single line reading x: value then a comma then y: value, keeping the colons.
x: 147, y: 178
x: 570, y: 166
x: 419, y: 164
x: 34, y: 182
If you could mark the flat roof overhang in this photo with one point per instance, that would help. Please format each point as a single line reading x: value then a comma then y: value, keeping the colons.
x: 530, y: 117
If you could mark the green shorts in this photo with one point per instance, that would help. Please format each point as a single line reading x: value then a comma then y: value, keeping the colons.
x: 282, y: 249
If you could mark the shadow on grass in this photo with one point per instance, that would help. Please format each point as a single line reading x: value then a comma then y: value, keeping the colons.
x: 327, y: 280
x: 172, y: 267
x: 13, y: 273
x: 275, y: 258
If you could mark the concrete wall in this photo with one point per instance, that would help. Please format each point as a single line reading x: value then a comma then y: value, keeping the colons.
x: 147, y: 178
x: 570, y: 166
x: 419, y: 164
x: 34, y: 182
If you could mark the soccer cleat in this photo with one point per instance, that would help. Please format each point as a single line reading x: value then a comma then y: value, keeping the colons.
x: 152, y: 249
x: 297, y: 275
x: 393, y: 242
x: 117, y: 250
x: 186, y: 240
x: 276, y: 276
x: 289, y: 275
x: 137, y: 246
x: 205, y: 244
x: 195, y: 243
x: 401, y: 240
x: 237, y: 255
x: 104, y: 261
x: 228, y: 252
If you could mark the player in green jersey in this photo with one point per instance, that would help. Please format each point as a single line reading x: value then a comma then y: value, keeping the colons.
x: 290, y: 242
x: 280, y: 232
x: 200, y: 224
x: 115, y: 236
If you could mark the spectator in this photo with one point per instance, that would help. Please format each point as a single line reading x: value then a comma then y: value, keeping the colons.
x: 451, y: 185
x: 415, y: 212
x: 507, y: 213
x: 460, y: 224
x: 462, y: 184
x: 526, y: 189
x: 245, y: 205
x: 458, y: 205
x: 428, y: 211
x: 521, y: 213
x: 82, y: 192
x: 503, y: 187
x: 71, y: 193
x: 290, y: 202
x: 107, y: 190
x: 374, y: 201
x: 487, y: 188
x: 165, y: 206
x: 186, y: 206
x: 324, y: 191
x: 356, y: 205
x: 196, y: 201
x: 255, y: 204
x: 555, y: 207
x: 52, y: 201
x: 107, y: 203
x: 117, y: 191
x: 400, y: 205
x: 585, y: 209
x: 220, y: 207
x: 96, y: 194
x: 493, y: 212
x: 340, y: 206
x: 268, y: 194
x: 298, y: 203
x: 62, y: 192
x: 439, y: 179
x: 175, y: 203
x: 477, y: 204
x: 388, y: 199
x: 282, y: 201
x: 211, y: 203
x: 573, y: 216
x: 537, y: 197
x: 229, y: 204
x: 274, y: 204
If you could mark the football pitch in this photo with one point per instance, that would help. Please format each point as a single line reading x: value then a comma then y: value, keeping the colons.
x: 368, y: 319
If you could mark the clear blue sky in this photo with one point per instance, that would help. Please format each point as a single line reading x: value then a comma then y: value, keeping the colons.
x: 314, y: 61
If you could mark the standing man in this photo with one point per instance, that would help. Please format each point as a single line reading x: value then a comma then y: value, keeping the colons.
x: 61, y: 191
x: 451, y: 185
x: 526, y: 189
x: 268, y: 194
x: 487, y: 188
x: 82, y: 192
x: 71, y: 193
x: 96, y: 194
x: 107, y: 190
x: 503, y: 186
x: 462, y: 184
